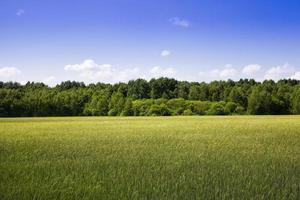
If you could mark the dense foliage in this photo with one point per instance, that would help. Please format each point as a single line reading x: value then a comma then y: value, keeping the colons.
x: 161, y: 97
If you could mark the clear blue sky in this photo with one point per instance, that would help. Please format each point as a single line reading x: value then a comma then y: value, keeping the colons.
x: 118, y: 40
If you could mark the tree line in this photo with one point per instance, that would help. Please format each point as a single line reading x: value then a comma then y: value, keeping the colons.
x: 157, y: 97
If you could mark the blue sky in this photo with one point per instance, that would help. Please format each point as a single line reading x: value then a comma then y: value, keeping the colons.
x: 119, y: 40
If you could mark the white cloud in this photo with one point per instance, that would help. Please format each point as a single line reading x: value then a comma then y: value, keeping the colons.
x: 296, y: 76
x: 279, y: 72
x: 51, y: 80
x: 8, y: 72
x: 227, y: 72
x: 91, y: 71
x: 165, y: 53
x: 251, y: 69
x: 86, y: 65
x: 158, y: 71
x: 20, y: 12
x: 179, y: 22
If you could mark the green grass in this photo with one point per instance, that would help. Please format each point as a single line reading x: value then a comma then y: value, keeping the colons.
x: 239, y: 157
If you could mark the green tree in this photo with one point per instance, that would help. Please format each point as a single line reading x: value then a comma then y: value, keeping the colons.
x: 117, y: 102
x: 183, y: 88
x: 138, y: 89
x: 259, y: 102
x: 296, y: 101
x: 98, y: 106
x: 236, y: 95
x: 163, y: 88
x: 195, y: 92
x: 127, y: 110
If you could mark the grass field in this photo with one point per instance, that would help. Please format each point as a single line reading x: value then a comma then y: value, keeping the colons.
x: 239, y: 157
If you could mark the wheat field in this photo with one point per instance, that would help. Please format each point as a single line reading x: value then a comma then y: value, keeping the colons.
x: 210, y: 157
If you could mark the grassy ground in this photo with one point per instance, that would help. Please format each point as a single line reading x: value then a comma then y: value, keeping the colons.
x: 247, y: 157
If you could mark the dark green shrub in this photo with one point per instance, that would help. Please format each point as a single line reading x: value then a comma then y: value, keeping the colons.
x: 160, y: 101
x: 141, y: 107
x: 217, y: 108
x: 177, y: 106
x: 200, y: 107
x: 188, y: 112
x: 230, y: 107
x: 159, y: 110
x: 113, y: 112
x: 240, y: 110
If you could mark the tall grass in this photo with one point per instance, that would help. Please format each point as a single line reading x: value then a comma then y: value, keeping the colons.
x: 245, y: 157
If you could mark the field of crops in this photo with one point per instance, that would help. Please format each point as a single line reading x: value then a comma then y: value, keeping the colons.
x: 234, y: 157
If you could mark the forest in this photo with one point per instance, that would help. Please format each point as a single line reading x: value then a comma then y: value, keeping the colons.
x: 157, y: 97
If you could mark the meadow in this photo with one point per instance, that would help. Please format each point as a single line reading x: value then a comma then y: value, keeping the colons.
x: 197, y: 157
